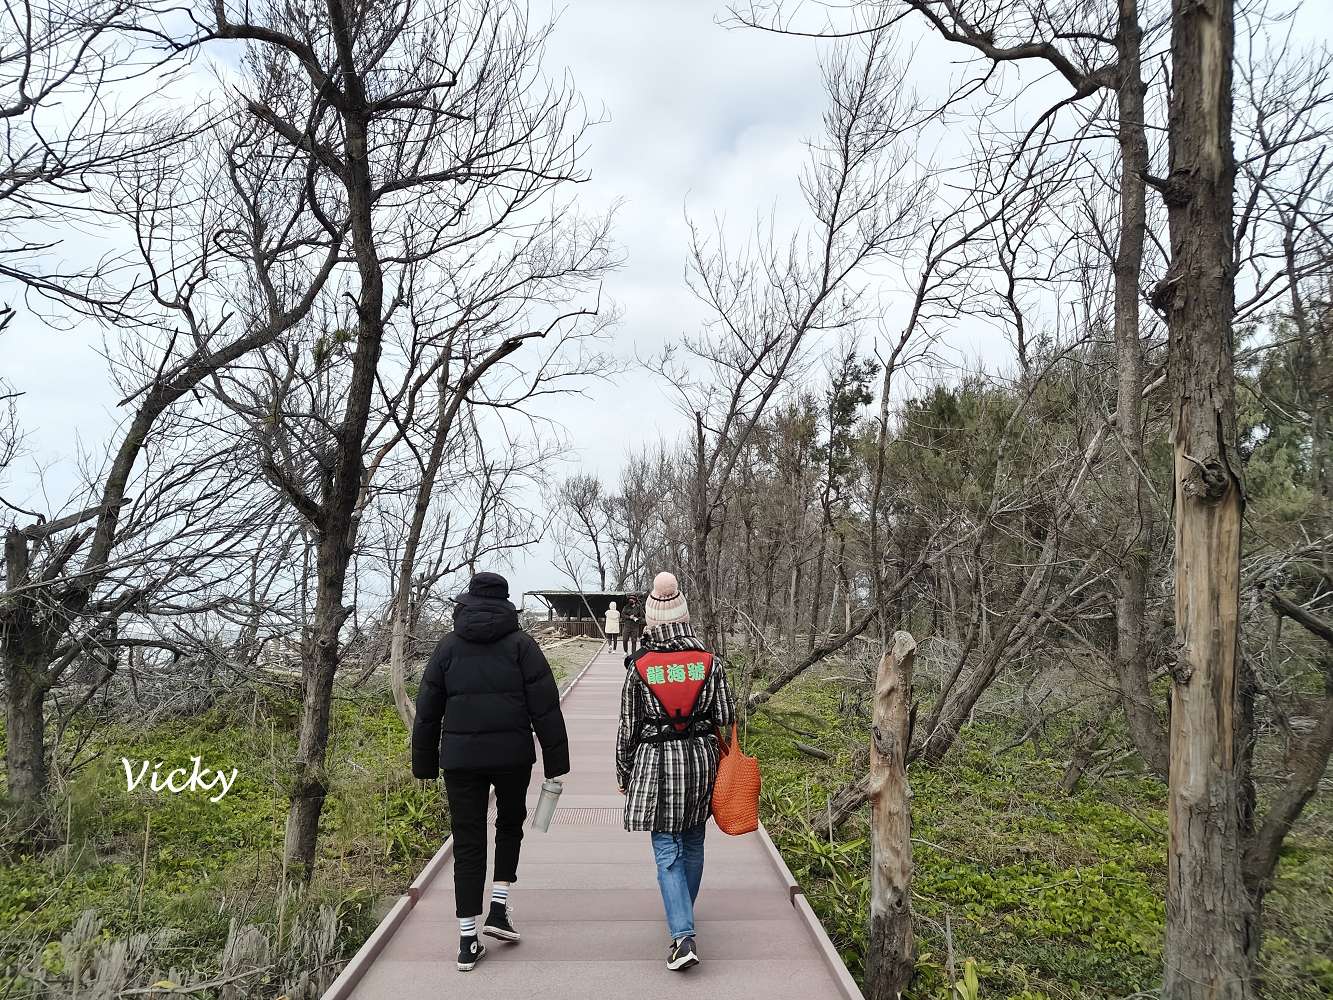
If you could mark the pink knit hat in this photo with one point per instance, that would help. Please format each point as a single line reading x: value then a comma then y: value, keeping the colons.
x: 666, y: 603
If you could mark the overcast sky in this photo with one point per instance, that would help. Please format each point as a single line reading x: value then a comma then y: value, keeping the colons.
x: 698, y: 117
x: 694, y: 115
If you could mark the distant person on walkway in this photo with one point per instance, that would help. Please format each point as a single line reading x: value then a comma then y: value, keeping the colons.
x: 632, y: 623
x: 489, y: 687
x: 612, y: 625
x: 674, y: 699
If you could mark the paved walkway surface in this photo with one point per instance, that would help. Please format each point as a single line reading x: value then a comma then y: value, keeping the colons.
x: 588, y: 907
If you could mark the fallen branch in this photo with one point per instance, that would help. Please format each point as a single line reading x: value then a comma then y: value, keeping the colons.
x: 1298, y: 614
x: 794, y: 671
x: 851, y: 797
x: 812, y: 751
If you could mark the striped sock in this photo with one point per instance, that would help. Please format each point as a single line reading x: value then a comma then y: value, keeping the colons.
x: 500, y: 894
x: 467, y: 926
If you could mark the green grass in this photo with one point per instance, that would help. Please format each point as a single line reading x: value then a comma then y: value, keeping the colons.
x: 1055, y: 896
x: 210, y: 862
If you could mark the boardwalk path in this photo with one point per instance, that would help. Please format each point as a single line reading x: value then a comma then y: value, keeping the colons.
x: 587, y: 904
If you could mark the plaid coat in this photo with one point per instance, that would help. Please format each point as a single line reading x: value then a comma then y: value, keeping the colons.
x: 669, y: 786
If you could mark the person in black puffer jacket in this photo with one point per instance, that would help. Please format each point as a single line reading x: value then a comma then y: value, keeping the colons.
x: 485, y: 690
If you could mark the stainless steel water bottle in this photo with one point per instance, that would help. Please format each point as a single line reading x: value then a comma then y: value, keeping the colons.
x: 541, y: 816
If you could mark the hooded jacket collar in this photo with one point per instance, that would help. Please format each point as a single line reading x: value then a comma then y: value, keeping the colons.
x: 484, y: 619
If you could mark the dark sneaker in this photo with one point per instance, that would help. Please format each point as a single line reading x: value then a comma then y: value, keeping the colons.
x: 498, y: 924
x: 470, y: 952
x: 682, y: 954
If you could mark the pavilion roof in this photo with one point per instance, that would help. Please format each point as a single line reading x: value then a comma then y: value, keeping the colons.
x: 577, y: 604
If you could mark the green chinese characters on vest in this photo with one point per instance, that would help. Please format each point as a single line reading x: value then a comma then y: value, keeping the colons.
x: 676, y: 673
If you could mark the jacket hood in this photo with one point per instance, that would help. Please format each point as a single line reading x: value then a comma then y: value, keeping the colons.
x: 488, y: 585
x: 484, y: 619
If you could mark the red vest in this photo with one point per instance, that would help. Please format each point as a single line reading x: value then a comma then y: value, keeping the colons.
x: 676, y: 679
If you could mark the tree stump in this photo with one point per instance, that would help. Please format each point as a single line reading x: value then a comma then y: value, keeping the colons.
x: 892, y: 952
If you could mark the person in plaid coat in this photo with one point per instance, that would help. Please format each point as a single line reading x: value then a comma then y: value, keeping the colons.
x: 668, y: 782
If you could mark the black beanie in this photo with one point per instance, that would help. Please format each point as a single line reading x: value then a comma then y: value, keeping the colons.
x: 489, y: 585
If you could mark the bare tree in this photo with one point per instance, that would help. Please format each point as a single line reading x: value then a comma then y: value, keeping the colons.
x: 436, y: 545
x: 1093, y: 50
x: 633, y: 517
x: 11, y: 437
x: 430, y: 129
x: 583, y: 506
x: 471, y: 351
x: 71, y: 575
x: 61, y: 67
x: 767, y: 303
x: 1208, y: 910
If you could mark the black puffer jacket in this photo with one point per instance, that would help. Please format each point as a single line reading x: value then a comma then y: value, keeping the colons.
x: 489, y: 687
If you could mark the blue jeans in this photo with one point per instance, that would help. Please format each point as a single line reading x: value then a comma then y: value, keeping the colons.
x: 680, y: 869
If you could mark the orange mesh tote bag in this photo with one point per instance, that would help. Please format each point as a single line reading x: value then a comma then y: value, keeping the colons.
x: 736, y: 791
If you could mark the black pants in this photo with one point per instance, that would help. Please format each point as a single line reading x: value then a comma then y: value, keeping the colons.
x: 469, y: 798
x: 611, y: 637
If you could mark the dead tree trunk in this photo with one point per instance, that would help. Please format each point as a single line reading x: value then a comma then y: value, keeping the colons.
x: 1207, y: 907
x: 25, y: 720
x: 25, y: 729
x: 1131, y: 660
x: 398, y: 644
x: 821, y: 554
x: 892, y: 953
